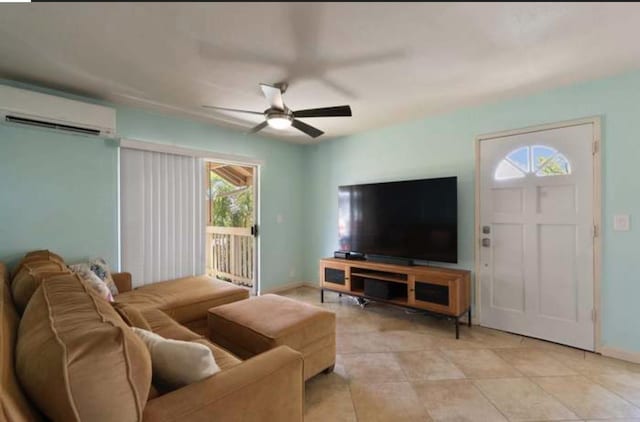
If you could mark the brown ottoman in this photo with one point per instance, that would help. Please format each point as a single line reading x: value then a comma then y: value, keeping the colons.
x: 253, y: 326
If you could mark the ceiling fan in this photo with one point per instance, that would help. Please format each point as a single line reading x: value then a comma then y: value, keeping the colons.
x: 279, y: 116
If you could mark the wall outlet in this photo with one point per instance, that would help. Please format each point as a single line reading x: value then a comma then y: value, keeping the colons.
x: 279, y: 218
x: 621, y: 223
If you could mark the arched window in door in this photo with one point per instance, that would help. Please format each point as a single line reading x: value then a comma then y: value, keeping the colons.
x: 538, y: 160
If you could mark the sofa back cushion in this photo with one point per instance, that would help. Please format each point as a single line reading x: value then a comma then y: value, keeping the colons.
x: 28, y: 278
x: 77, y: 359
x: 41, y: 255
x: 131, y: 315
x: 14, y: 405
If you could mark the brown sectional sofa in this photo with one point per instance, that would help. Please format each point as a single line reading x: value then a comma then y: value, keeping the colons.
x: 71, y: 356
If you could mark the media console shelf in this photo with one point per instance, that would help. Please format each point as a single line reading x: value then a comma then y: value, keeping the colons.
x: 437, y: 290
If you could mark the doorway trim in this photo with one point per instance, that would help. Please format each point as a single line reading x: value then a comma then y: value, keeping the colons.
x: 257, y: 167
x: 597, y: 208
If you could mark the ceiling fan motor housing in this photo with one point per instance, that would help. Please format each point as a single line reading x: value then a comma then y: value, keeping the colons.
x: 278, y: 119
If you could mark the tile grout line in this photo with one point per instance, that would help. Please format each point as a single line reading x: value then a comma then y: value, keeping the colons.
x: 593, y: 382
x: 473, y: 384
x: 353, y: 403
x: 604, y: 387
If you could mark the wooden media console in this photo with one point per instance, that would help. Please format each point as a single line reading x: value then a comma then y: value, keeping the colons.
x: 437, y: 290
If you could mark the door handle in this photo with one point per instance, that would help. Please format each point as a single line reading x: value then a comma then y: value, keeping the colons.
x: 486, y: 242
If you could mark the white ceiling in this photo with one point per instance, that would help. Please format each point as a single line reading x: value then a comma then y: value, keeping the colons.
x: 390, y: 61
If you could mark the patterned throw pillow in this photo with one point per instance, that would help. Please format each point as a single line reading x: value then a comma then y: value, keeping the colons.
x: 99, y: 268
x: 86, y: 275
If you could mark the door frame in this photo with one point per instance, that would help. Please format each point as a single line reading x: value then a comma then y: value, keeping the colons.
x: 596, y: 143
x: 257, y: 166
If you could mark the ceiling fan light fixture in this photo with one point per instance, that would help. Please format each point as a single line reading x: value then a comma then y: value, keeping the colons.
x: 279, y: 121
x: 278, y: 116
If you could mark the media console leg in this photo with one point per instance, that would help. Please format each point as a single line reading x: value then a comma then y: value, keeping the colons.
x: 469, y: 319
x: 321, y: 295
x: 457, y: 328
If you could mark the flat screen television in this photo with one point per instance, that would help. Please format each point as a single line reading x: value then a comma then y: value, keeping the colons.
x: 413, y: 219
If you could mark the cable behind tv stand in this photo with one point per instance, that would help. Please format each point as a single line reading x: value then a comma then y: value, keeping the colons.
x: 442, y: 291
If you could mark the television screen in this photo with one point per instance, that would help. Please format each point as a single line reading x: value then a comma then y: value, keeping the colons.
x: 415, y: 219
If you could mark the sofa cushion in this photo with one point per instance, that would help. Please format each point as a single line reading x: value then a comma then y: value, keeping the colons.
x: 224, y: 358
x: 198, y: 326
x: 162, y: 324
x: 46, y: 253
x: 28, y: 279
x: 41, y: 255
x: 76, y: 357
x: 131, y: 315
x: 14, y: 405
x: 185, y: 299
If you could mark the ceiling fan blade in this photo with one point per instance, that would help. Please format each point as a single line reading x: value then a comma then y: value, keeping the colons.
x: 259, y: 127
x: 309, y: 130
x: 273, y: 95
x: 339, y: 111
x: 233, y: 109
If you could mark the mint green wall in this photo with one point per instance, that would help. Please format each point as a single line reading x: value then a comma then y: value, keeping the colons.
x: 443, y: 146
x: 59, y: 191
x: 38, y: 209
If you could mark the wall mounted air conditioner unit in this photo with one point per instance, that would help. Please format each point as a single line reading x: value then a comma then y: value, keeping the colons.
x: 24, y: 107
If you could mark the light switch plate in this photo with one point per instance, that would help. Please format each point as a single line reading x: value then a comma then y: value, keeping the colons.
x: 621, y: 223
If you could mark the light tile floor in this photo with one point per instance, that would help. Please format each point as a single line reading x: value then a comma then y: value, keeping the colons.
x: 398, y: 365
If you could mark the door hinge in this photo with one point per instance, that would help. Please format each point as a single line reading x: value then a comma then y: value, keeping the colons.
x: 595, y: 147
x: 593, y: 315
x: 596, y: 230
x: 254, y: 230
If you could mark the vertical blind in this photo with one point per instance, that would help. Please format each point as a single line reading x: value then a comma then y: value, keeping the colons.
x: 162, y: 215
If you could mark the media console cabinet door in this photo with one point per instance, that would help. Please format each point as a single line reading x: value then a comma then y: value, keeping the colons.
x: 335, y: 276
x: 435, y: 294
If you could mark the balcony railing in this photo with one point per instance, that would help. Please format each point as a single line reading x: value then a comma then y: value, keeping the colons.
x: 230, y: 254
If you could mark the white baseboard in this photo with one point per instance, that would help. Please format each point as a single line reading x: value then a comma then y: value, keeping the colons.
x: 289, y: 286
x: 612, y: 352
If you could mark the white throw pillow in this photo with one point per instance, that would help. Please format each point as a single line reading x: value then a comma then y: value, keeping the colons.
x: 177, y: 363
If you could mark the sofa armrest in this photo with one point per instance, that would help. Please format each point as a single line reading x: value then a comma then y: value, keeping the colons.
x: 267, y: 387
x: 123, y: 281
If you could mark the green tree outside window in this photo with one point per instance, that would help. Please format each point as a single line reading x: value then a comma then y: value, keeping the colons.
x: 231, y: 206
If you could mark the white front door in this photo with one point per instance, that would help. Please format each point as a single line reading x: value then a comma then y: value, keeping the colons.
x: 537, y: 234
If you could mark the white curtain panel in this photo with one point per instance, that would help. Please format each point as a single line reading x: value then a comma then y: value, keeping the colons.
x: 162, y: 200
